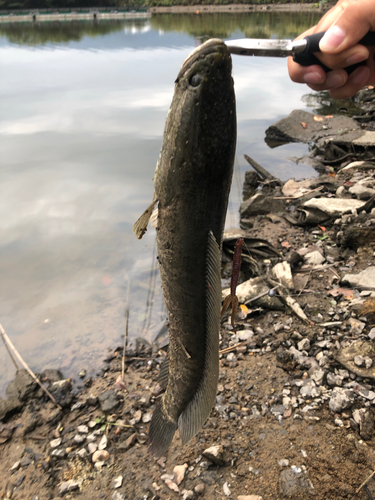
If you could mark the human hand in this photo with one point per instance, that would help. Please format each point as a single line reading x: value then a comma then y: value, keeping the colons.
x: 346, y: 23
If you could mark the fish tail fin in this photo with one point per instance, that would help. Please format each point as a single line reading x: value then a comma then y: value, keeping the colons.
x: 140, y: 227
x: 161, y: 432
x: 199, y: 408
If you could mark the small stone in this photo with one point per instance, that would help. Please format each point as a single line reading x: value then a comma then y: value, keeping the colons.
x: 147, y: 417
x: 103, y: 443
x: 304, y: 345
x: 92, y: 447
x: 129, y: 442
x: 341, y: 399
x: 246, y: 335
x: 118, y: 496
x: 67, y: 486
x: 199, y: 489
x: 15, y: 466
x: 231, y: 357
x: 318, y: 376
x: 314, y: 258
x: 359, y: 360
x: 333, y: 379
x: 92, y: 400
x: 108, y: 401
x: 83, y: 429
x: 171, y: 485
x: 372, y: 334
x: 249, y: 497
x: 187, y: 494
x: 215, y: 454
x: 82, y: 373
x: 55, y: 443
x: 58, y: 453
x: 226, y: 489
x: 283, y: 463
x: 82, y: 453
x: 368, y: 362
x: 179, y: 473
x: 100, y: 456
x: 79, y: 439
x: 116, y: 482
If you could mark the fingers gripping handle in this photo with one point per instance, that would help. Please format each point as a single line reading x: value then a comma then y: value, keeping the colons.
x: 307, y: 57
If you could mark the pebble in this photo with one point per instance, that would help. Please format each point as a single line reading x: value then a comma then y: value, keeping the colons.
x: 100, y: 456
x: 103, y: 443
x: 187, y: 494
x: 283, y: 463
x: 58, y: 453
x: 341, y: 399
x: 92, y: 447
x: 171, y: 485
x: 179, y: 473
x: 147, y: 417
x: 215, y: 454
x: 199, y: 489
x: 118, y: 496
x: 226, y: 489
x: 55, y: 443
x: 15, y: 466
x: 304, y: 345
x: 82, y: 453
x: 359, y: 360
x: 79, y: 439
x: 116, y: 482
x: 83, y: 429
x: 249, y: 497
x: 67, y: 486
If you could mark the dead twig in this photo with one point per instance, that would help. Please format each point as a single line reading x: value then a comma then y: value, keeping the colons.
x: 231, y: 348
x: 7, y: 340
x: 363, y: 484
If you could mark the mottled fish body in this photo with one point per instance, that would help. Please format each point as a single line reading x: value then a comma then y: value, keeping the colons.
x: 192, y: 183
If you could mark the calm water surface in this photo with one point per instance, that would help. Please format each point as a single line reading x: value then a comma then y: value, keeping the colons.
x: 83, y: 107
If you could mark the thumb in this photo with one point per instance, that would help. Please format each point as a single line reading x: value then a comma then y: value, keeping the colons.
x: 354, y: 20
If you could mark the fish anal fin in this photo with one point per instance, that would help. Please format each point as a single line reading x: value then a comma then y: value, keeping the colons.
x: 199, y: 408
x: 161, y: 431
x: 140, y: 227
x: 164, y: 373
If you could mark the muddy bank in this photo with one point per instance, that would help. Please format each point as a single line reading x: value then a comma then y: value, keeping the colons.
x: 294, y: 412
x: 201, y: 9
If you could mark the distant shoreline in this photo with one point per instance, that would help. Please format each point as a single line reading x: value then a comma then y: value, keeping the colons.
x: 202, y: 9
x: 34, y: 15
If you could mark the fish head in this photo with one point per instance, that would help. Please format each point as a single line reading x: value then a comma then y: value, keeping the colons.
x: 201, y: 123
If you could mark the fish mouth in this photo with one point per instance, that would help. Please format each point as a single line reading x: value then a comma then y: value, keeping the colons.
x: 212, y: 46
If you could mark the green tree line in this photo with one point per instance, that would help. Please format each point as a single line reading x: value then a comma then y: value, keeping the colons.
x: 87, y: 4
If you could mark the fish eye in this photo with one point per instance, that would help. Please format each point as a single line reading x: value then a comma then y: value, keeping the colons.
x: 196, y: 80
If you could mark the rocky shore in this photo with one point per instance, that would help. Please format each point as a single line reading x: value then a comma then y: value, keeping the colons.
x: 209, y: 9
x: 294, y: 413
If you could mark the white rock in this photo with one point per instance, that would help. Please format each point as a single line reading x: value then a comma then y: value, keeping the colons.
x: 55, y: 443
x: 179, y: 473
x: 314, y: 258
x: 100, y: 456
x: 341, y: 399
x: 92, y: 447
x: 83, y: 429
x: 304, y: 345
x: 226, y: 489
x: 103, y: 443
x: 116, y: 482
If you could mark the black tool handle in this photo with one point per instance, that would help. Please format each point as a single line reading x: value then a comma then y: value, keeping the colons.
x: 307, y: 57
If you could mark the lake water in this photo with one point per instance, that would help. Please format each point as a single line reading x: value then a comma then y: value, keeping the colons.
x: 83, y: 106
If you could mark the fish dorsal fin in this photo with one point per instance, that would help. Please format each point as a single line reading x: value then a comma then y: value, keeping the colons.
x: 199, y: 408
x: 140, y: 227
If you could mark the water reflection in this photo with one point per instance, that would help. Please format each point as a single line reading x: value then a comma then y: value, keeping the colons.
x: 82, y: 115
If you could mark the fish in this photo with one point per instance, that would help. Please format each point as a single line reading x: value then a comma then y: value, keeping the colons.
x: 192, y: 183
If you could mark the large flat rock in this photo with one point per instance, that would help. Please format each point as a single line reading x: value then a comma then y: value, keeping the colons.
x: 301, y: 126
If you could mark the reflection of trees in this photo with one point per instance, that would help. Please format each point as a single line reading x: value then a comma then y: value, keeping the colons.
x: 219, y: 25
x: 223, y: 25
x: 323, y: 104
x: 62, y: 31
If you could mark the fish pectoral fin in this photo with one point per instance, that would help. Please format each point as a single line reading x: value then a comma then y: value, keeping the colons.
x: 140, y: 227
x: 226, y: 303
x: 199, y: 407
